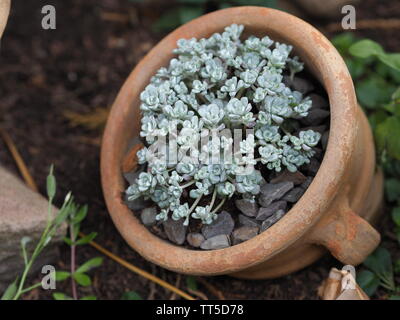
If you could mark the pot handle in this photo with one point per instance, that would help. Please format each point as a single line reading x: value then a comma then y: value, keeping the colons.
x: 346, y: 235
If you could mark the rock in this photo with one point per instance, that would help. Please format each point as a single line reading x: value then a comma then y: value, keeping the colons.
x: 148, y: 216
x: 222, y: 225
x: 313, y: 167
x: 137, y: 204
x: 315, y: 117
x: 249, y: 222
x: 324, y: 140
x: 175, y: 230
x: 247, y: 207
x: 195, y: 239
x: 23, y: 212
x: 318, y: 102
x: 217, y: 242
x: 293, y: 195
x: 244, y: 233
x: 299, y: 84
x: 131, y: 177
x: 273, y: 191
x: 306, y: 183
x: 295, y: 177
x: 272, y: 220
x: 324, y: 9
x: 264, y: 213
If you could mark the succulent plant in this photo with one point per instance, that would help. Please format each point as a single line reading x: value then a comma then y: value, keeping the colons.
x: 214, y: 85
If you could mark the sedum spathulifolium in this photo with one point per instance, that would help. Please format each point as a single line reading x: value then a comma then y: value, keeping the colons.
x: 214, y: 85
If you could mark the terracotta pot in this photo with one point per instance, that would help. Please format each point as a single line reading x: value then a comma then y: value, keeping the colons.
x: 4, y: 12
x: 328, y: 216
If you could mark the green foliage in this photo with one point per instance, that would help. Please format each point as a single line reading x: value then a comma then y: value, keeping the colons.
x: 191, y: 283
x: 183, y: 11
x: 71, y: 214
x: 376, y: 75
x: 380, y: 273
x: 131, y: 295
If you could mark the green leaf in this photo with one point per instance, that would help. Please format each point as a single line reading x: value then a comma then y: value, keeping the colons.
x: 191, y: 283
x: 374, y: 91
x: 387, y: 136
x: 397, y: 266
x: 62, y: 275
x: 10, y: 292
x: 356, y: 67
x: 86, y: 239
x: 366, y: 48
x: 392, y: 188
x: 394, y: 297
x: 80, y: 215
x: 396, y: 216
x: 90, y: 264
x: 51, y: 184
x: 68, y: 241
x: 380, y: 262
x: 89, y: 298
x: 82, y: 279
x: 368, y: 281
x: 391, y: 59
x: 24, y: 242
x: 343, y: 42
x: 61, y: 296
x: 189, y: 13
x: 131, y: 295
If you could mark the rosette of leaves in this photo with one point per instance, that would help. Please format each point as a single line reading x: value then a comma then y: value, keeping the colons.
x: 213, y: 85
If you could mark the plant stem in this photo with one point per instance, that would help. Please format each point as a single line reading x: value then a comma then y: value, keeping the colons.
x: 188, y: 184
x: 219, y: 206
x: 195, y: 203
x: 213, y: 198
x: 73, y: 263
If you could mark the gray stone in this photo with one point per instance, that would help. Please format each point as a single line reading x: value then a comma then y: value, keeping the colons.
x: 294, y: 195
x: 217, y: 242
x: 299, y: 84
x: 148, y: 216
x: 243, y: 234
x: 318, y: 102
x: 324, y: 140
x: 137, y: 204
x: 313, y: 167
x: 306, y: 183
x: 131, y: 177
x: 295, y: 177
x: 175, y: 230
x: 265, y: 213
x: 247, y: 207
x: 273, y: 191
x: 23, y: 212
x: 272, y: 220
x: 315, y: 117
x: 222, y: 225
x: 195, y: 239
x: 249, y: 222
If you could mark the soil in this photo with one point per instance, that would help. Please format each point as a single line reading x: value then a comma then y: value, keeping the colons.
x: 79, y: 67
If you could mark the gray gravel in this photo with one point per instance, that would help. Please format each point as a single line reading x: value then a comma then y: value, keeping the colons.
x: 273, y: 191
x: 247, y: 207
x: 217, y: 242
x: 222, y: 225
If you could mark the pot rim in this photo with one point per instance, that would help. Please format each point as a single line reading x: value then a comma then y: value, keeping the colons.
x: 323, y: 61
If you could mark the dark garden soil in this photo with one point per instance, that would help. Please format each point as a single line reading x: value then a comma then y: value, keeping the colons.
x: 79, y: 68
